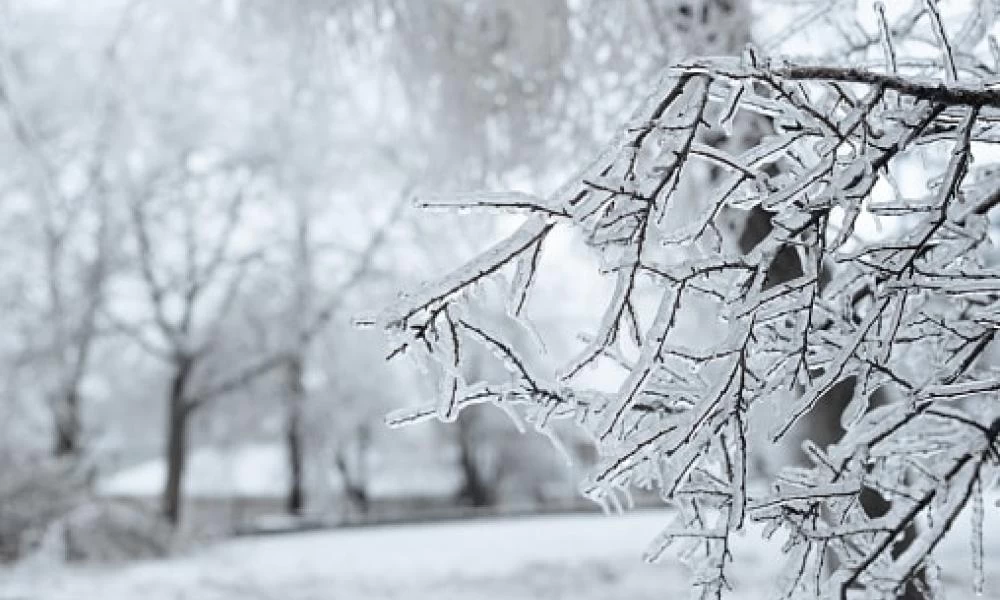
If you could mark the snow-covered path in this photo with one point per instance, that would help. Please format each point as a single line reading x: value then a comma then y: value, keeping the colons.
x: 569, y: 556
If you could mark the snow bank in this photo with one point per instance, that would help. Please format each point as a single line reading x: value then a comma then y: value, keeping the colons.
x: 260, y: 471
x: 573, y: 556
x: 255, y: 470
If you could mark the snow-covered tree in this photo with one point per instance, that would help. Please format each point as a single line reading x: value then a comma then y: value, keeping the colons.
x: 195, y: 184
x: 58, y: 137
x: 877, y: 179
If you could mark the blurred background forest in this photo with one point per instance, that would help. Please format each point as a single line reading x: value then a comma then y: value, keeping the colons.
x: 197, y: 201
x: 204, y: 202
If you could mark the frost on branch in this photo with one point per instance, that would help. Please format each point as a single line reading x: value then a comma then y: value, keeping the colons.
x: 895, y: 291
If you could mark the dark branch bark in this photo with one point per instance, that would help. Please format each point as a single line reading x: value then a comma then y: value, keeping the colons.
x: 953, y: 94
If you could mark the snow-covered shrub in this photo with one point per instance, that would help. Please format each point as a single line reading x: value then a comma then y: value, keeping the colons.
x: 110, y: 531
x: 34, y: 494
x: 48, y: 514
x: 878, y: 179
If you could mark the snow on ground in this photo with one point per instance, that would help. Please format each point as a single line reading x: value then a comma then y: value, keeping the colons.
x: 582, y: 557
x: 253, y: 470
x: 261, y: 471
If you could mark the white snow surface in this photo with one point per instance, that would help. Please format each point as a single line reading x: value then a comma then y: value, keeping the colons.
x: 582, y: 556
x: 261, y: 471
x: 256, y: 470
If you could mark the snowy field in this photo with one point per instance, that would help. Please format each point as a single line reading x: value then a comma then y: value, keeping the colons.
x: 581, y: 557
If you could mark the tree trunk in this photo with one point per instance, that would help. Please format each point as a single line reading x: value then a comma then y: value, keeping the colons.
x: 355, y: 476
x: 477, y: 489
x: 178, y: 413
x: 67, y: 424
x: 295, y: 401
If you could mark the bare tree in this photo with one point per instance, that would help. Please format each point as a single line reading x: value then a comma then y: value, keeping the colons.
x: 190, y: 280
x: 76, y: 226
x: 312, y: 310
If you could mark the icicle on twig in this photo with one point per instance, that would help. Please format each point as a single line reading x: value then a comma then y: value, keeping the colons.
x: 948, y: 57
x: 885, y: 35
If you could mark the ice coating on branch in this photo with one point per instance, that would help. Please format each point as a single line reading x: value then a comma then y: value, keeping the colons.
x: 500, y: 254
x: 733, y: 218
x: 512, y: 202
x: 978, y: 512
x: 364, y: 321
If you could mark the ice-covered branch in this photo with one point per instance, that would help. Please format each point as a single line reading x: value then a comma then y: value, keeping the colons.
x: 854, y: 289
